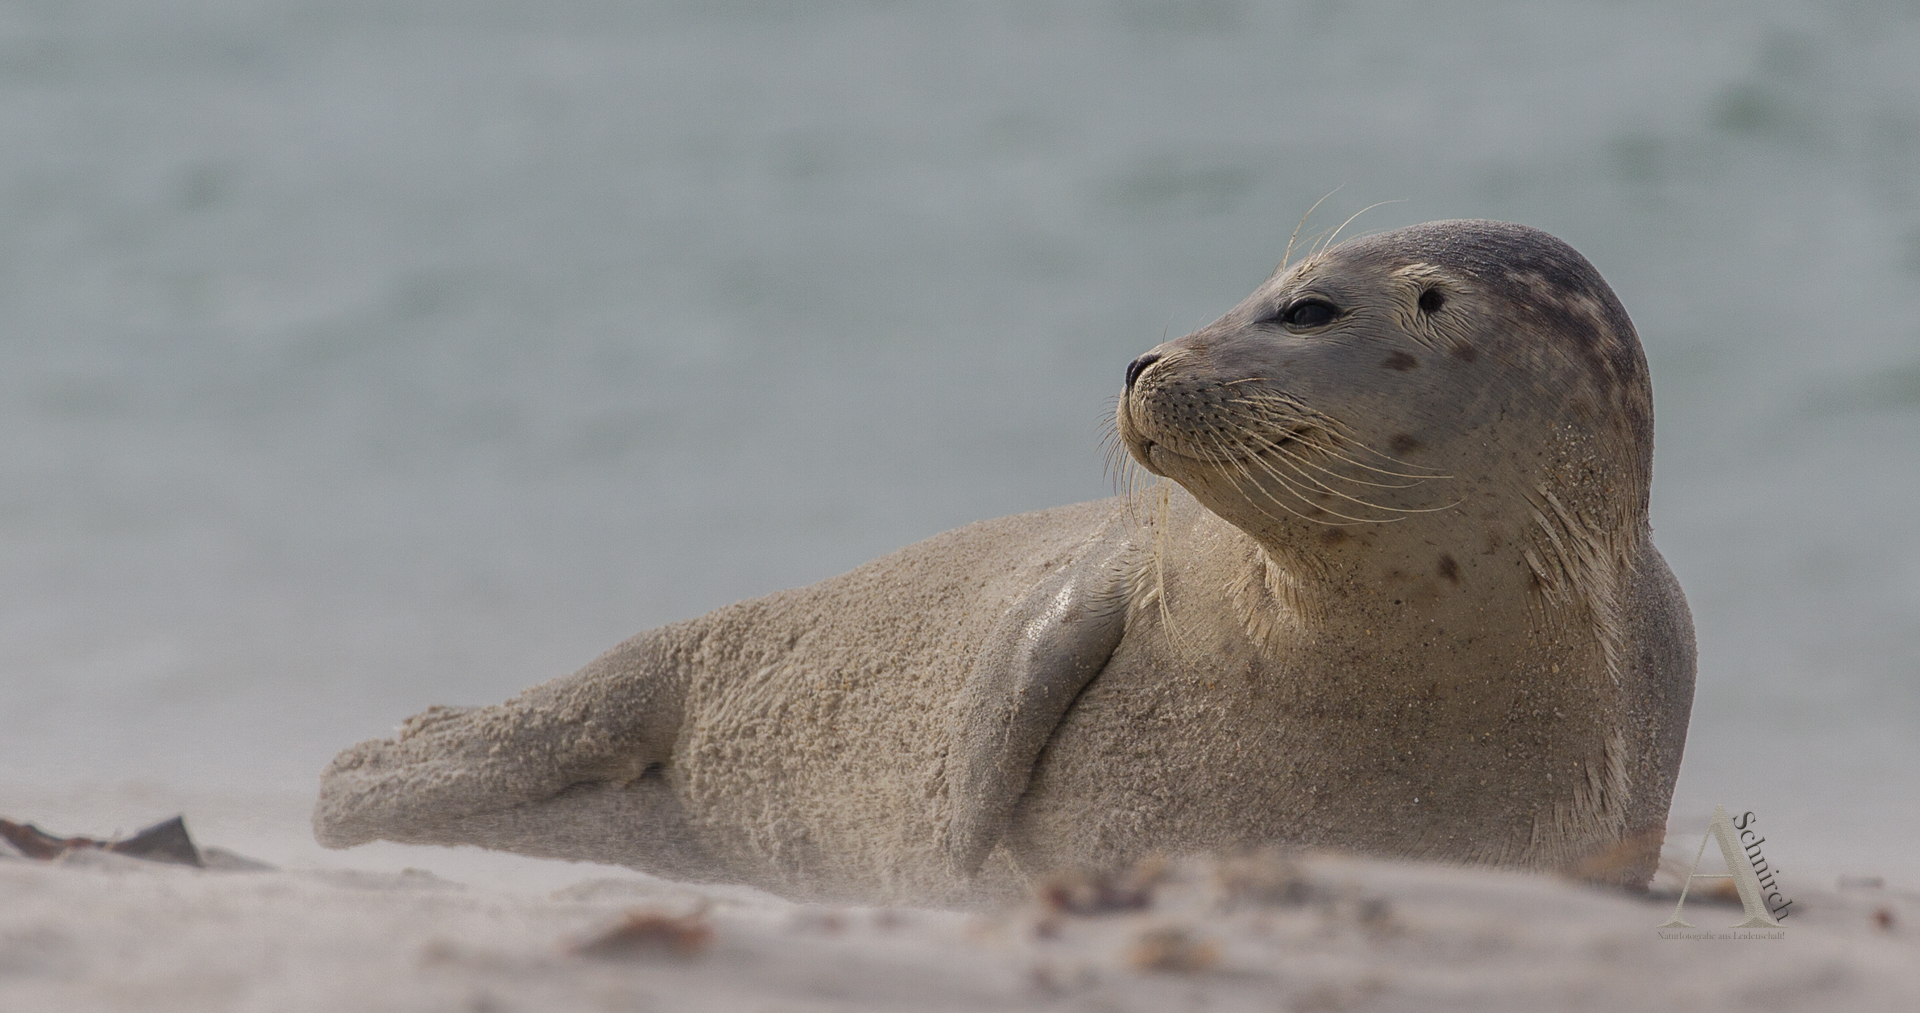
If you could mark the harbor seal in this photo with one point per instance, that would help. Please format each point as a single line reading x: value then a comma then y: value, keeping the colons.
x: 1395, y: 592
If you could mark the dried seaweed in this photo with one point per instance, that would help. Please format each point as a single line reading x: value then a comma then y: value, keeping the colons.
x: 166, y: 841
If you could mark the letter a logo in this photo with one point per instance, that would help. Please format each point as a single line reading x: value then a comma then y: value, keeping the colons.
x: 1720, y: 828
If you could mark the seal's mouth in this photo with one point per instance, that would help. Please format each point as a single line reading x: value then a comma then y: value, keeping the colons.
x: 1193, y: 430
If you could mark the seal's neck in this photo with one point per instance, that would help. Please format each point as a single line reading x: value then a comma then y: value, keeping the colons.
x: 1457, y: 583
x: 1438, y: 644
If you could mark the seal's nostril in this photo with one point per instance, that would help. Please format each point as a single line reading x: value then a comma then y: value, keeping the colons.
x: 1138, y: 366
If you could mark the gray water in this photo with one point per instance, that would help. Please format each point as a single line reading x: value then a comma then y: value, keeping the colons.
x: 359, y: 356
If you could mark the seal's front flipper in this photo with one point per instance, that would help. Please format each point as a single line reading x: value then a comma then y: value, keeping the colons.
x: 450, y: 773
x: 1037, y: 659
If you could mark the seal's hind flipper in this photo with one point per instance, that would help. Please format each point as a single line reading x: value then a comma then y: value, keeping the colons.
x: 449, y: 771
x: 1037, y: 659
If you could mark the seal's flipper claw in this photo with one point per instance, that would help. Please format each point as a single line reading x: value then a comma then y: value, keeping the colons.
x: 1043, y: 651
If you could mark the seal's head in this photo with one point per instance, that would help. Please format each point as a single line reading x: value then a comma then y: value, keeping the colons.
x: 1438, y: 442
x: 1410, y: 394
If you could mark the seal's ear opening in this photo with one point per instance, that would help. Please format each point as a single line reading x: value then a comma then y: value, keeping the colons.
x: 1431, y: 300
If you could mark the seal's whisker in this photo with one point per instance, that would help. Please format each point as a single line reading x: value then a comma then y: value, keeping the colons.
x: 1295, y: 234
x: 1362, y: 502
x: 1316, y: 483
x: 1118, y: 464
x: 1239, y: 463
x: 1230, y: 461
x: 1356, y: 214
x: 1301, y: 495
x: 1314, y: 425
x: 1296, y: 468
x: 1337, y: 441
x: 1113, y: 451
x: 1161, y: 523
x: 1383, y: 455
x: 1291, y: 486
x: 1346, y: 433
x: 1398, y: 510
x: 1280, y: 446
x: 1318, y: 245
x: 1333, y: 450
x: 1299, y: 477
x: 1268, y: 495
x: 1284, y: 412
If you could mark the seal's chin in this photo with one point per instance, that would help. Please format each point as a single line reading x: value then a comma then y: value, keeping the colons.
x: 1150, y: 453
x: 1143, y: 450
x: 1156, y: 458
x: 1140, y: 446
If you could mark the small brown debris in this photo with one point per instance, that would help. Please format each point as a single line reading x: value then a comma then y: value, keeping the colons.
x: 32, y: 841
x: 1264, y: 878
x: 1095, y: 893
x: 1883, y: 919
x: 652, y: 934
x: 1172, y: 950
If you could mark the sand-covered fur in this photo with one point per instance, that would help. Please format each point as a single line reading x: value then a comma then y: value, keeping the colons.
x: 1403, y: 600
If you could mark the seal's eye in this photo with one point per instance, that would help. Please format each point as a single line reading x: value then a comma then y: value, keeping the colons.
x: 1308, y: 314
x: 1431, y: 300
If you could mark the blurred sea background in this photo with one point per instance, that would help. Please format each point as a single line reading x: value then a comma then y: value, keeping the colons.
x: 360, y: 356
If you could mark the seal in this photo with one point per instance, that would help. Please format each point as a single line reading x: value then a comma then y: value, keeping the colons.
x: 1394, y: 592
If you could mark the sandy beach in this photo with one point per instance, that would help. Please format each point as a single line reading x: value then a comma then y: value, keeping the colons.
x: 366, y: 357
x: 392, y: 928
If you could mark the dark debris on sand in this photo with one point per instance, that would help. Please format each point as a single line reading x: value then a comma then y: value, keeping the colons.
x: 166, y: 841
x: 1095, y: 893
x: 651, y: 934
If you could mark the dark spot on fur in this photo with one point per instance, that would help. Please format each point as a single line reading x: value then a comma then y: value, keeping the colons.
x: 1334, y: 536
x: 1400, y: 361
x: 1552, y: 289
x: 1404, y: 443
x: 1465, y: 352
x: 1449, y: 569
x: 1551, y: 296
x: 1431, y: 300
